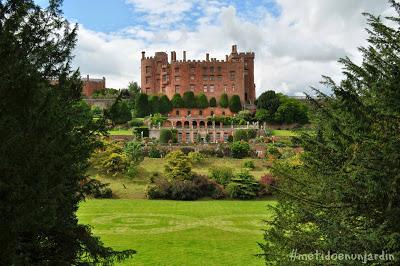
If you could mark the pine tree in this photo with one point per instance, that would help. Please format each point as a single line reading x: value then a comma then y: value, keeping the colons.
x: 213, y: 102
x: 142, y: 106
x: 165, y: 105
x: 154, y: 103
x: 189, y: 99
x: 46, y: 136
x: 235, y: 104
x: 344, y: 197
x: 201, y: 101
x: 177, y: 101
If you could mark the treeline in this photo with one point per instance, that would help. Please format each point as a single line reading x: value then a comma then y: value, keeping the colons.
x: 278, y: 108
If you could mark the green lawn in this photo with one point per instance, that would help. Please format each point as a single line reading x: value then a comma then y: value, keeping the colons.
x: 121, y: 132
x: 180, y: 233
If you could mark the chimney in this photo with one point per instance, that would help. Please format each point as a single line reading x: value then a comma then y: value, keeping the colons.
x: 184, y: 56
x: 87, y: 77
x: 234, y: 49
x: 226, y: 58
x: 172, y: 56
x: 143, y: 55
x: 207, y: 57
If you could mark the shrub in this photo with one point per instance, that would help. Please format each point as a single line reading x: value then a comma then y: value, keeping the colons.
x: 154, y: 103
x: 177, y: 101
x: 249, y: 164
x: 243, y: 186
x: 273, y: 151
x: 142, y: 106
x: 138, y: 132
x: 239, y: 149
x: 240, y: 134
x: 251, y: 133
x: 165, y: 105
x: 94, y: 188
x: 178, y: 166
x: 224, y: 100
x: 234, y: 104
x: 245, y: 115
x: 196, y: 157
x: 165, y: 135
x: 96, y: 111
x: 134, y: 151
x: 189, y: 99
x: 157, y: 118
x: 110, y: 158
x: 213, y: 102
x: 221, y: 174
x: 201, y: 101
x: 187, y: 150
x: 154, y: 152
x: 136, y: 122
x: 267, y: 182
x: 119, y: 113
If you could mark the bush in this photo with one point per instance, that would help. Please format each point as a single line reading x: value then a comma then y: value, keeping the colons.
x: 243, y: 186
x: 165, y: 105
x: 186, y: 150
x: 251, y: 133
x: 240, y: 134
x: 245, y: 115
x: 134, y: 151
x: 94, y: 188
x: 196, y: 157
x: 154, y: 103
x: 267, y: 182
x: 201, y: 101
x: 273, y: 151
x: 213, y: 102
x: 110, y: 158
x: 119, y: 113
x: 178, y: 166
x: 154, y: 152
x: 136, y: 122
x: 234, y: 104
x: 189, y: 99
x: 177, y: 101
x: 138, y: 132
x: 221, y: 174
x: 249, y: 164
x: 157, y: 118
x: 239, y: 149
x: 96, y: 111
x: 224, y: 101
x: 198, y: 187
x: 165, y: 135
x: 142, y: 106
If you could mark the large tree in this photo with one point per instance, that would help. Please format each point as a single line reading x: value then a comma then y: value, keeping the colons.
x: 177, y: 101
x: 234, y: 104
x: 224, y: 100
x: 189, y: 99
x: 142, y: 106
x: 344, y: 196
x: 165, y: 105
x: 46, y: 138
x: 268, y: 100
x: 201, y: 101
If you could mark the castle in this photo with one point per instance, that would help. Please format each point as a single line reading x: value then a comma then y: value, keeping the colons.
x: 234, y: 75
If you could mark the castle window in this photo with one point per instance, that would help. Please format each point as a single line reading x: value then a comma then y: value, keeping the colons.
x: 205, y: 88
x: 211, y: 88
x: 204, y: 69
x: 246, y: 72
x: 211, y: 69
x: 163, y: 89
x: 205, y: 77
x: 192, y: 87
x: 177, y: 70
x: 177, y: 112
x: 200, y: 112
x: 232, y: 75
x: 177, y: 88
x: 245, y: 64
x: 233, y: 87
x: 177, y: 78
x: 192, y: 77
x: 148, y: 69
x: 165, y: 78
x: 225, y: 88
x: 219, y: 69
x: 211, y: 77
x: 219, y: 78
x: 192, y: 69
x: 147, y: 80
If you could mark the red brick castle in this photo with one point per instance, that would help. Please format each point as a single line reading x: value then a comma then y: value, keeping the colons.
x: 234, y: 75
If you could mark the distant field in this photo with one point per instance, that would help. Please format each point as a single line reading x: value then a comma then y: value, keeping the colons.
x: 134, y: 188
x: 180, y: 233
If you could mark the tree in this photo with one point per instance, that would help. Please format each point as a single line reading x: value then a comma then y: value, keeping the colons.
x: 154, y: 103
x: 142, y: 107
x: 213, y: 102
x: 268, y: 100
x: 46, y: 138
x: 239, y: 149
x: 291, y: 111
x: 201, y: 101
x: 134, y: 90
x: 178, y: 166
x: 344, y: 195
x: 189, y: 99
x: 119, y: 112
x: 263, y: 115
x: 234, y: 104
x: 165, y: 105
x: 177, y: 101
x: 224, y: 101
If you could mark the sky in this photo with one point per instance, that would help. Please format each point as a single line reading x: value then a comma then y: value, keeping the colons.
x: 295, y: 42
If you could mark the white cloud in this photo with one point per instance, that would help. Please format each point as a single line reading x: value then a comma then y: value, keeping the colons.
x: 292, y: 50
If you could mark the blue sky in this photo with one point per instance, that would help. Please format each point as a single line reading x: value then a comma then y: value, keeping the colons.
x: 295, y: 42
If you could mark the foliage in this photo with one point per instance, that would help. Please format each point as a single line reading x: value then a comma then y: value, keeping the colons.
x: 134, y: 151
x: 167, y: 135
x: 249, y: 164
x: 110, y: 158
x: 198, y: 187
x: 154, y: 152
x: 196, y: 157
x: 178, y: 166
x: 177, y: 101
x: 344, y: 193
x: 46, y: 139
x: 107, y: 93
x: 268, y: 101
x: 201, y: 101
x: 165, y: 105
x: 189, y: 99
x: 274, y: 151
x: 239, y: 149
x: 243, y: 186
x: 154, y: 103
x: 246, y: 115
x: 221, y: 174
x: 136, y: 122
x: 263, y: 115
x: 142, y: 106
x: 138, y: 131
x: 267, y: 182
x: 224, y: 100
x: 234, y: 104
x: 213, y: 102
x: 158, y: 119
x: 96, y: 111
x: 291, y: 111
x: 119, y: 112
x: 244, y: 134
x: 94, y: 188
